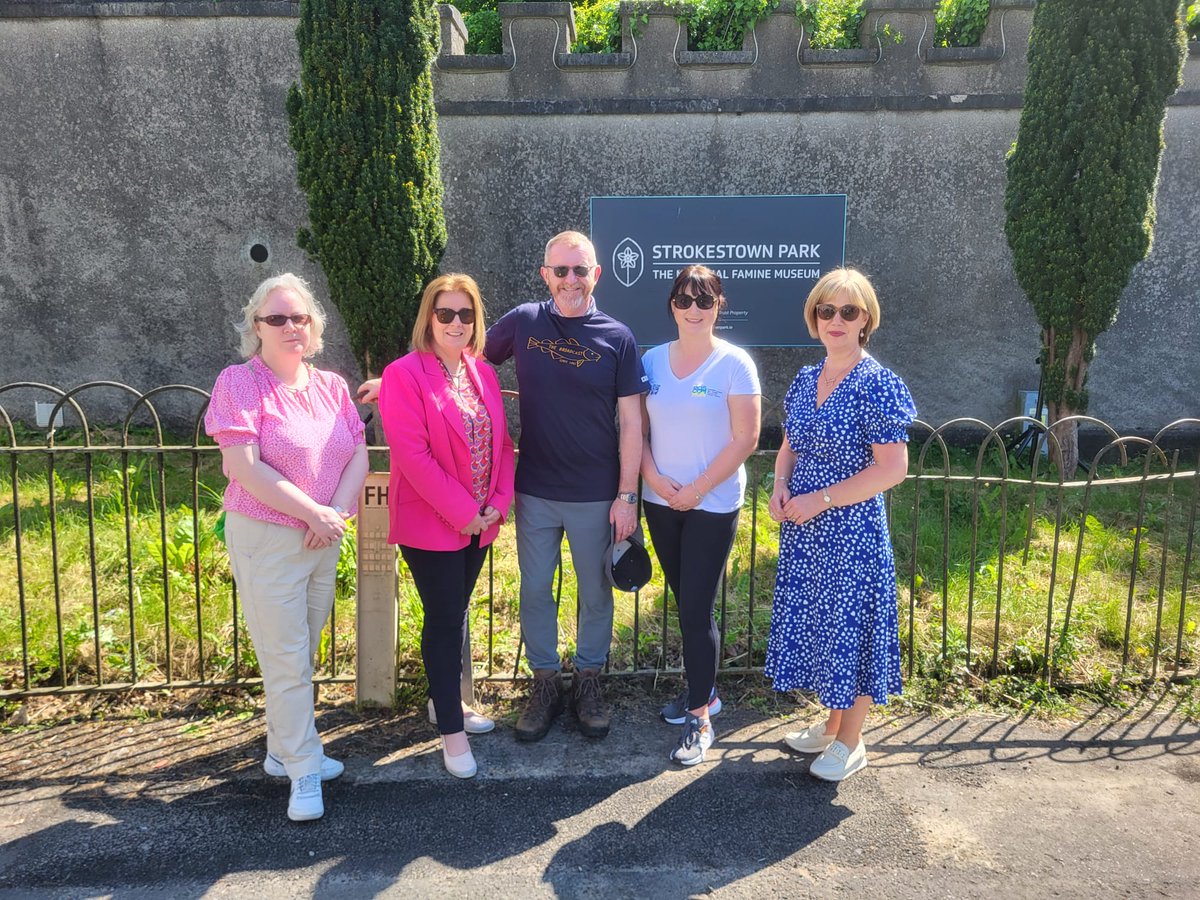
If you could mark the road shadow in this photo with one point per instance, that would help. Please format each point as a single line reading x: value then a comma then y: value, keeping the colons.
x: 1151, y: 728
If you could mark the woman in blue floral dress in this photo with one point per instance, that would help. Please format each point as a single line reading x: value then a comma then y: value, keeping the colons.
x: 834, y: 626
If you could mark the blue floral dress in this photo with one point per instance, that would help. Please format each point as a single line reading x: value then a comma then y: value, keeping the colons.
x: 834, y: 625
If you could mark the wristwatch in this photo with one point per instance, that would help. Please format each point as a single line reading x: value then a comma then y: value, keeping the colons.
x: 628, y: 496
x: 825, y: 496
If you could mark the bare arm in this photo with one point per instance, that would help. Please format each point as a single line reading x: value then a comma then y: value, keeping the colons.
x: 785, y: 461
x: 353, y: 476
x: 629, y: 418
x: 368, y: 391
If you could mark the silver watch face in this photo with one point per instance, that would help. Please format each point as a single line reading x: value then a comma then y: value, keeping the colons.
x: 629, y: 497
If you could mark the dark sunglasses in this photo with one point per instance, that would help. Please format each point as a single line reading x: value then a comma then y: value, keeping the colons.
x: 445, y: 315
x: 580, y: 271
x: 827, y: 311
x: 278, y: 320
x: 704, y: 301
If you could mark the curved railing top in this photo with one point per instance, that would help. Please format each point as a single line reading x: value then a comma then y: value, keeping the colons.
x: 121, y: 413
x: 178, y: 409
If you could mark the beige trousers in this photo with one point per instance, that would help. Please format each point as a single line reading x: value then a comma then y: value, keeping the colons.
x: 286, y: 593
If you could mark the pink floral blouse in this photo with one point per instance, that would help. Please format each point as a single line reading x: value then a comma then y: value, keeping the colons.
x: 308, y: 436
x: 478, y: 426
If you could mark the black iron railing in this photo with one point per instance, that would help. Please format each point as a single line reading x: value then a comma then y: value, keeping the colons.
x: 112, y: 576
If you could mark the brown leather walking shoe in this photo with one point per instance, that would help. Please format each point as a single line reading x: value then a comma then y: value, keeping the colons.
x: 587, y: 702
x: 544, y: 704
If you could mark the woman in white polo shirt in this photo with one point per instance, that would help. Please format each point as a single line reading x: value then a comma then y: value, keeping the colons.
x: 702, y: 415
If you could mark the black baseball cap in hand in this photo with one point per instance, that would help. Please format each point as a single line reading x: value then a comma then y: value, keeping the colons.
x: 626, y: 563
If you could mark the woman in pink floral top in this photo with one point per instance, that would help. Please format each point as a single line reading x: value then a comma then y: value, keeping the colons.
x: 451, y: 486
x: 294, y: 450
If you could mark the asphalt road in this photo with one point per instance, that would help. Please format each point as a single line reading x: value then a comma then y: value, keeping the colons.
x: 970, y: 807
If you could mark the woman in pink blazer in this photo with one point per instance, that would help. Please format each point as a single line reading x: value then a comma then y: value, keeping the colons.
x: 451, y: 485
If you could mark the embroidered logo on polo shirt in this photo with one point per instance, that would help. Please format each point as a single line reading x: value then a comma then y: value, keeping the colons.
x: 565, y: 350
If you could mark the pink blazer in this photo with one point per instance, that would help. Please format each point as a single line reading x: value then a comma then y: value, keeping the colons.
x: 429, y: 494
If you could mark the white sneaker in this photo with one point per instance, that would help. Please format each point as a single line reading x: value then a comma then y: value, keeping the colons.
x: 839, y: 761
x: 473, y: 722
x: 305, y: 803
x: 695, y: 738
x: 330, y: 768
x: 812, y: 739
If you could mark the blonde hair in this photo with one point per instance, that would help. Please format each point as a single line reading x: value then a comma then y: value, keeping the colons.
x: 250, y: 342
x: 422, y: 336
x: 856, y: 285
x: 570, y: 239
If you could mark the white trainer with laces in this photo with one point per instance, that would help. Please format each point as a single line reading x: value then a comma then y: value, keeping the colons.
x: 330, y: 768
x: 695, y: 738
x: 305, y: 803
x: 676, y: 712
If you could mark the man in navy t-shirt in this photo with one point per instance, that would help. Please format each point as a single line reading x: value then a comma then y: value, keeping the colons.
x: 579, y: 375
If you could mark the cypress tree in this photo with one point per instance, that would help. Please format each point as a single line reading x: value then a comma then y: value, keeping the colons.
x: 1083, y: 172
x: 364, y: 129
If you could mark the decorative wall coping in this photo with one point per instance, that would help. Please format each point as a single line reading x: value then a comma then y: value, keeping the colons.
x: 74, y: 9
x: 993, y: 45
x: 775, y: 69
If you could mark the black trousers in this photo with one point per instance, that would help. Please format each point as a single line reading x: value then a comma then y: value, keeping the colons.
x: 445, y: 580
x: 692, y: 548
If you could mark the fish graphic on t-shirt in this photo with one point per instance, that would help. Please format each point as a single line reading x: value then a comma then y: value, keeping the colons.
x: 565, y: 350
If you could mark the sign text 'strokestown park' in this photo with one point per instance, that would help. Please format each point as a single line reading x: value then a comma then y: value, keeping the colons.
x: 769, y: 252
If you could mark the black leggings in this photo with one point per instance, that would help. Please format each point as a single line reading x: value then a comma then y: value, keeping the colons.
x: 692, y: 548
x: 445, y: 580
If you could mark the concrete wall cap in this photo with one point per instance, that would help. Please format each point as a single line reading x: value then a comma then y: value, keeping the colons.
x: 535, y: 10
x: 594, y: 60
x: 72, y: 9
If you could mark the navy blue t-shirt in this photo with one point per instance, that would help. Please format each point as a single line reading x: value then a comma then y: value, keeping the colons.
x: 570, y: 372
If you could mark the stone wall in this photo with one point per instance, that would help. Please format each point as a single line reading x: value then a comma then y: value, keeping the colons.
x: 145, y: 152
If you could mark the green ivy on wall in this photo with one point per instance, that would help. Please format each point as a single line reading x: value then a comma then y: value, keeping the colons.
x: 960, y: 23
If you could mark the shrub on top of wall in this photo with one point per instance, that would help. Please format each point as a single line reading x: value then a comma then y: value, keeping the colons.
x: 832, y: 24
x: 960, y: 23
x: 597, y: 27
x: 721, y: 24
x: 711, y: 24
x: 483, y: 25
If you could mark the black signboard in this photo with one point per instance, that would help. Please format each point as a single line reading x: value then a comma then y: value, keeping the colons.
x: 769, y: 252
